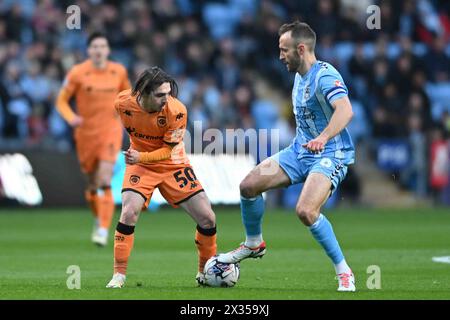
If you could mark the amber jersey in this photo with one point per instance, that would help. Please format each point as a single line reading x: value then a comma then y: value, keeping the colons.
x: 95, y: 91
x: 150, y: 131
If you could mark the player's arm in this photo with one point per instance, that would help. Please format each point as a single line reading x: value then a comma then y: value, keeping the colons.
x: 335, y: 92
x: 341, y: 117
x: 62, y: 101
x: 173, y: 136
x: 133, y: 156
x: 125, y: 83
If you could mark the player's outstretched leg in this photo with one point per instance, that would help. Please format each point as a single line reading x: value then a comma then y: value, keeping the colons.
x: 252, y: 211
x: 267, y: 175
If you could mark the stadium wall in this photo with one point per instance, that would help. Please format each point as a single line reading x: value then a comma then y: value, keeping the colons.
x: 49, y: 179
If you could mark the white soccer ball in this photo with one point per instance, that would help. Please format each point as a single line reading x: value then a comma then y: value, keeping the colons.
x: 219, y: 274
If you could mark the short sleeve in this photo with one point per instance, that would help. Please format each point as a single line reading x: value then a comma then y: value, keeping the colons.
x: 125, y: 82
x: 332, y: 86
x: 176, y: 127
x: 71, y: 82
x: 117, y: 104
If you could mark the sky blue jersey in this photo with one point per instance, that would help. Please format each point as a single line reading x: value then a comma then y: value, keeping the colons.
x: 312, y: 96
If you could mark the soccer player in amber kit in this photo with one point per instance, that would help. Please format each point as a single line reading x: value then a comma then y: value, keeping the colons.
x: 156, y: 121
x: 95, y: 84
x: 318, y: 156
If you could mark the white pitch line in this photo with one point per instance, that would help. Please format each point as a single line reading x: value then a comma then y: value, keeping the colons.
x: 445, y: 259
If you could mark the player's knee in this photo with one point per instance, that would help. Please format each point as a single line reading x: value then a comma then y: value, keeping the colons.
x: 306, y: 214
x: 129, y: 214
x: 248, y: 189
x: 207, y: 222
x: 103, y: 180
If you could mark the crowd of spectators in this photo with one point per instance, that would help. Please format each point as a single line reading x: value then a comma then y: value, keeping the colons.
x: 221, y: 52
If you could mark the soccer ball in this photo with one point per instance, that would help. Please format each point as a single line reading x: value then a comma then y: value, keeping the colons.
x: 219, y: 274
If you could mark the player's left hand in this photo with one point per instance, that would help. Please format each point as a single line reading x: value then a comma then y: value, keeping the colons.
x: 131, y: 156
x: 316, y: 145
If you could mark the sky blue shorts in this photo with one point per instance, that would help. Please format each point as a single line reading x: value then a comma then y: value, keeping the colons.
x: 298, y: 167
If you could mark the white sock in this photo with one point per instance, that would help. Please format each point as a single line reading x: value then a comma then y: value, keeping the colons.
x: 102, y: 232
x: 253, y: 241
x: 342, y: 267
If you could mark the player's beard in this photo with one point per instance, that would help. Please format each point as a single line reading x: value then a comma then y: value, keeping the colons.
x: 294, y: 64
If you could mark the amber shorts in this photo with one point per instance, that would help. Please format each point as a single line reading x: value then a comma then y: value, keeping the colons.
x: 91, y: 150
x: 177, y: 183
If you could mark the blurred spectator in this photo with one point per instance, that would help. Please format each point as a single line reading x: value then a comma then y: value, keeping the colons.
x: 439, y: 164
x: 437, y: 62
x: 415, y: 175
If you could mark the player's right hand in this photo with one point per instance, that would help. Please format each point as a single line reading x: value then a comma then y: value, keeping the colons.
x: 76, y: 122
x: 131, y: 156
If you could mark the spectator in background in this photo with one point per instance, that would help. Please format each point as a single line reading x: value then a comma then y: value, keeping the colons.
x: 18, y: 106
x: 415, y: 175
x: 437, y: 63
x: 418, y: 104
x: 439, y: 164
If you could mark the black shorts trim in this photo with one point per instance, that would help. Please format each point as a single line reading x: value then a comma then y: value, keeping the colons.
x: 135, y: 191
x: 190, y: 196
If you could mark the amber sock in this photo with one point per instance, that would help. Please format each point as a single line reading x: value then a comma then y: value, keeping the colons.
x: 91, y: 198
x: 123, y: 244
x: 205, y: 240
x: 105, y: 207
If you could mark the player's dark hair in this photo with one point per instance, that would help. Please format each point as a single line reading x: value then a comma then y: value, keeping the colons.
x: 152, y: 78
x: 96, y: 35
x: 301, y: 32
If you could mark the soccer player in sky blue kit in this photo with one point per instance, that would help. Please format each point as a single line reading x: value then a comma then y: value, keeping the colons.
x: 318, y: 156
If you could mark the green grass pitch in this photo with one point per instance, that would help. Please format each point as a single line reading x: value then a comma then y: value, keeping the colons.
x: 38, y: 246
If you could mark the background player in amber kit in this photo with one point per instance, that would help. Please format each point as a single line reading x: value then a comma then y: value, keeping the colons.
x: 95, y: 84
x: 156, y: 121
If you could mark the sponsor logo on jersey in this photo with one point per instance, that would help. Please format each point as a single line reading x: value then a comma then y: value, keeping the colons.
x: 307, y: 114
x: 307, y: 93
x: 92, y: 89
x: 132, y: 132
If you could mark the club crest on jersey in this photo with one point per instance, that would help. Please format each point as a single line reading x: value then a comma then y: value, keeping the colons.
x: 161, y: 121
x: 307, y: 93
x: 134, y: 179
